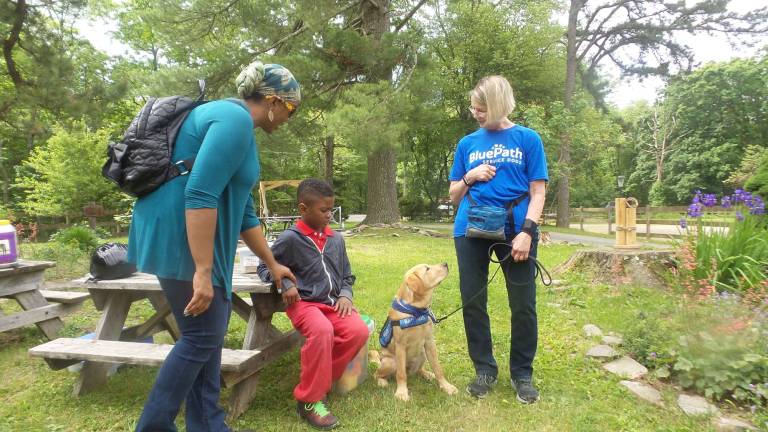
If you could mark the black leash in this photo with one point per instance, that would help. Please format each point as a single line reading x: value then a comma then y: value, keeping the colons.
x: 539, y: 271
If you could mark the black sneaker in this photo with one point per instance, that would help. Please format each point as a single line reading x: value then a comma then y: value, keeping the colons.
x: 481, y: 386
x: 526, y: 392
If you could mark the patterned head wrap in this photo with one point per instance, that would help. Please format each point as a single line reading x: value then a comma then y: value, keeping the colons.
x: 268, y: 80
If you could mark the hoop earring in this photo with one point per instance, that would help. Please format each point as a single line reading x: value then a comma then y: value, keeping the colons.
x: 271, y: 116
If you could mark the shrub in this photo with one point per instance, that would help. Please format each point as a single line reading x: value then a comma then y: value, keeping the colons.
x: 649, y: 341
x: 758, y: 183
x: 82, y: 237
x: 414, y: 206
x: 71, y: 261
x: 715, y: 347
x: 657, y: 196
x: 732, y: 363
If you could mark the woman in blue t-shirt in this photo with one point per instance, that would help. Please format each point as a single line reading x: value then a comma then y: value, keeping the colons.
x: 186, y: 233
x: 500, y: 164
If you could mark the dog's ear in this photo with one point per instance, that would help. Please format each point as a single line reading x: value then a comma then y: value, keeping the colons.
x: 411, y: 283
x: 414, y: 282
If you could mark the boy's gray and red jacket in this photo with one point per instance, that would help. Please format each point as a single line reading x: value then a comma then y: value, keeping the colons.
x: 322, y: 277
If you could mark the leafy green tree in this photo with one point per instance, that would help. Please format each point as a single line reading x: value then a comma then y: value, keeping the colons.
x: 723, y: 106
x: 48, y: 74
x: 754, y: 158
x: 64, y: 174
x: 638, y: 37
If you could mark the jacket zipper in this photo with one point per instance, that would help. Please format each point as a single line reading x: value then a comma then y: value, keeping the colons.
x: 325, y: 269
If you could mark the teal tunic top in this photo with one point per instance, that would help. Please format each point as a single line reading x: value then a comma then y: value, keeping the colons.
x: 225, y: 171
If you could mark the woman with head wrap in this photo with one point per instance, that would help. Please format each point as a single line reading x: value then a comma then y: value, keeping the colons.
x: 186, y: 233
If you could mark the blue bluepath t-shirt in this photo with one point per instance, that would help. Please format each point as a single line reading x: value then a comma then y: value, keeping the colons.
x: 518, y: 155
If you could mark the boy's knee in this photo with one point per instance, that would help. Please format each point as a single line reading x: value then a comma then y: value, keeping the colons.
x: 321, y: 330
x: 361, y: 332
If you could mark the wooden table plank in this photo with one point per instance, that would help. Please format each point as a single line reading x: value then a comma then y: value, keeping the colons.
x: 12, y: 285
x: 24, y: 266
x: 68, y: 297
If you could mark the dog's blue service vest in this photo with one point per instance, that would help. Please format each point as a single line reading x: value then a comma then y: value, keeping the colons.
x: 419, y: 316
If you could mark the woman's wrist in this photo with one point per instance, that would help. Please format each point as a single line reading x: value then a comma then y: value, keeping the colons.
x: 466, y: 180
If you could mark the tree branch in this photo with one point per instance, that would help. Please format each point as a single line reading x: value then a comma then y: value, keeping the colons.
x: 303, y: 28
x: 409, y: 16
x: 18, y: 21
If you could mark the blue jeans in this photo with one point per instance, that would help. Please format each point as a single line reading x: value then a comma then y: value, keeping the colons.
x: 472, y: 255
x: 191, y: 370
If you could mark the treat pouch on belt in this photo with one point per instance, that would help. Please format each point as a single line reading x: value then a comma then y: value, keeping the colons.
x: 487, y: 222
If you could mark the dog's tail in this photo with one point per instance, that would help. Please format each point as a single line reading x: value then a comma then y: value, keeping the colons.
x: 374, y: 357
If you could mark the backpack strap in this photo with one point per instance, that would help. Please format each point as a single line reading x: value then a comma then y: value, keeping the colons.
x: 184, y: 166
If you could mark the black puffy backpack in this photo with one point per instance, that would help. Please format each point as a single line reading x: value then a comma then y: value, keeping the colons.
x: 141, y: 162
x: 110, y: 261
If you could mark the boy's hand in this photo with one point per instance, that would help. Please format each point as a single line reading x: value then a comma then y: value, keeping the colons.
x: 291, y: 296
x: 278, y: 272
x: 344, y: 307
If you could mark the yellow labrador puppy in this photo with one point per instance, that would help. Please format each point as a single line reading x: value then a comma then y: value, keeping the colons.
x: 407, y: 338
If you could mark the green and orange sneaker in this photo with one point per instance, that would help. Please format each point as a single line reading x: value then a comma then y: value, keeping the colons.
x: 317, y: 415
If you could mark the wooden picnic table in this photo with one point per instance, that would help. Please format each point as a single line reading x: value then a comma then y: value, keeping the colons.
x: 23, y: 283
x: 262, y: 343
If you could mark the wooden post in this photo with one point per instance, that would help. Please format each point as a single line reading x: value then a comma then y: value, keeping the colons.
x: 630, y: 220
x: 648, y: 222
x: 621, y: 221
x: 581, y: 218
x: 610, y: 218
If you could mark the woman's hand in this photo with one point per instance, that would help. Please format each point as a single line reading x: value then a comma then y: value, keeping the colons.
x: 202, y: 294
x: 521, y: 247
x: 278, y: 272
x: 344, y: 307
x: 482, y: 172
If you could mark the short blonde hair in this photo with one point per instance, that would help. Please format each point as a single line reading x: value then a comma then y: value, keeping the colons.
x: 495, y: 94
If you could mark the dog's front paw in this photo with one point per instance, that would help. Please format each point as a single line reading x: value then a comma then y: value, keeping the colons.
x: 381, y: 382
x: 427, y: 375
x: 448, y: 388
x: 402, y: 394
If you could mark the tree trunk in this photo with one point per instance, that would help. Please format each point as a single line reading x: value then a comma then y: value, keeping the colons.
x: 32, y: 131
x: 4, y: 171
x: 564, y: 162
x: 382, y: 164
x: 660, y: 169
x: 382, y: 185
x: 328, y: 148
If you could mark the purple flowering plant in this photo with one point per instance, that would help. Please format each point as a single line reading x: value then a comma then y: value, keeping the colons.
x: 732, y: 258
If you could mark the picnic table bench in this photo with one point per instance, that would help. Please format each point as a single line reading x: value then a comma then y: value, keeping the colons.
x: 23, y: 283
x: 113, y: 343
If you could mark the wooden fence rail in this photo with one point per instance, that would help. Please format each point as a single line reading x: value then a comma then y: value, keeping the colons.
x: 644, y: 214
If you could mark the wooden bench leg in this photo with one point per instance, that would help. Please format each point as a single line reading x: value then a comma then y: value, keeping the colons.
x: 242, y: 395
x: 94, y: 374
x: 260, y: 330
x: 32, y: 300
x: 169, y: 323
x: 260, y: 333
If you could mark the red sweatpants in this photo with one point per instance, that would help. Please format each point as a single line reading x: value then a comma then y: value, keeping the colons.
x: 331, y: 343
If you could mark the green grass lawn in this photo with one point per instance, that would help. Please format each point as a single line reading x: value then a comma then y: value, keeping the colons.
x: 577, y: 395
